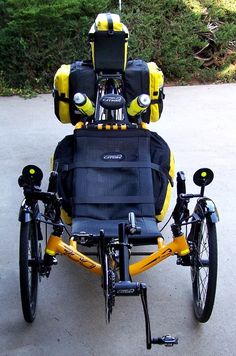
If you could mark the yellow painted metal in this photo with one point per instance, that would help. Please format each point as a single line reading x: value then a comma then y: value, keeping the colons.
x: 79, y: 125
x: 144, y: 125
x: 178, y: 245
x: 50, y: 252
x: 160, y: 242
x: 73, y: 243
x: 56, y: 245
x: 65, y: 217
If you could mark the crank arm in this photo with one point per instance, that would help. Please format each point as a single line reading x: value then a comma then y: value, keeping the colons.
x: 166, y: 340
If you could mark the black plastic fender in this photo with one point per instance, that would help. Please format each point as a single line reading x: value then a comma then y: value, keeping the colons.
x: 25, y: 213
x: 28, y: 212
x: 206, y: 207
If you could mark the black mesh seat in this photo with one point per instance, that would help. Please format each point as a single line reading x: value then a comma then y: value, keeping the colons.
x: 149, y: 229
x: 113, y: 176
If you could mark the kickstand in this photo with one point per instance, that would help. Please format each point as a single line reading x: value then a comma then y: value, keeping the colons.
x: 166, y: 340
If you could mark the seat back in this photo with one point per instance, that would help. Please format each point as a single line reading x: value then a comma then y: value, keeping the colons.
x: 112, y: 174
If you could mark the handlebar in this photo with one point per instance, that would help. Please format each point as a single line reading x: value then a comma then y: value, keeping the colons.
x: 189, y: 196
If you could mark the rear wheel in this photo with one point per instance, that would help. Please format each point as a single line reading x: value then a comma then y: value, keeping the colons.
x: 204, y: 268
x: 29, y: 268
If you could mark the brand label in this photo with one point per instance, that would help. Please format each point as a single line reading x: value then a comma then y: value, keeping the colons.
x: 112, y: 99
x: 113, y: 156
x: 125, y: 291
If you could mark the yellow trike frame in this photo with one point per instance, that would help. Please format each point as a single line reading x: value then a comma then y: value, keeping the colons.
x: 178, y: 246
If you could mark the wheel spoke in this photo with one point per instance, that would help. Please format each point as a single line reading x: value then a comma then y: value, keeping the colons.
x: 29, y: 269
x: 203, y: 287
x: 203, y: 271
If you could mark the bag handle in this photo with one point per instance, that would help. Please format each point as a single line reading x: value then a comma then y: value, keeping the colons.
x: 110, y: 24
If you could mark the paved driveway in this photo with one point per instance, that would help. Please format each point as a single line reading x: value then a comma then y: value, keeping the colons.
x: 199, y: 123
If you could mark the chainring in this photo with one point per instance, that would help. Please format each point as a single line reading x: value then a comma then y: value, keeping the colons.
x: 111, y: 292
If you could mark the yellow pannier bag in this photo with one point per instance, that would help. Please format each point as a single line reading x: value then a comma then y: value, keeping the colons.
x: 145, y: 78
x: 61, y: 90
x: 109, y: 42
x: 156, y: 83
x: 77, y: 77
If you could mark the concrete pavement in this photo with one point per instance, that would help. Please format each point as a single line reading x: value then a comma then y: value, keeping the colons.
x: 199, y: 123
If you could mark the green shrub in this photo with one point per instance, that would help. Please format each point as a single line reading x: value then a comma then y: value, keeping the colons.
x: 167, y: 31
x: 37, y: 36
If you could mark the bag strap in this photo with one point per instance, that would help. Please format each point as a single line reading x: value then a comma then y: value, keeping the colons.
x: 110, y: 24
x: 161, y: 170
x: 128, y: 199
x: 61, y: 97
x: 121, y: 164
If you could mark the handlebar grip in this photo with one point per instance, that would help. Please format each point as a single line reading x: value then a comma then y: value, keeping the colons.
x: 53, y: 182
x: 181, y: 187
x: 131, y: 218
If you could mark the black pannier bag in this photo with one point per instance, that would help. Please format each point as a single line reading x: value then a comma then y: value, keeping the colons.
x: 63, y: 157
x: 68, y: 80
x: 114, y: 172
x: 108, y: 38
x: 141, y: 77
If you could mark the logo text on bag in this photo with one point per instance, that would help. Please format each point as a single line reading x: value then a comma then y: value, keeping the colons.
x: 111, y: 156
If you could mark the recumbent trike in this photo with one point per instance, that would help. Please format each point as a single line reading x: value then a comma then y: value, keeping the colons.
x: 111, y: 182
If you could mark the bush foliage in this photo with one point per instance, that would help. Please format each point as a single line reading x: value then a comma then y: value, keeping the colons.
x: 37, y: 36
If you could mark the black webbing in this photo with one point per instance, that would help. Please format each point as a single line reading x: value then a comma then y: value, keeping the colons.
x: 61, y: 97
x: 120, y: 164
x: 129, y: 199
x: 110, y: 23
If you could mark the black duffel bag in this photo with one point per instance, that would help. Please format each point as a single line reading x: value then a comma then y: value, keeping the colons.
x: 65, y: 158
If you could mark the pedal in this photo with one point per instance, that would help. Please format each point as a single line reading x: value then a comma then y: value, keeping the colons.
x: 54, y: 261
x: 83, y: 238
x: 183, y: 261
x: 49, y: 260
x: 166, y: 340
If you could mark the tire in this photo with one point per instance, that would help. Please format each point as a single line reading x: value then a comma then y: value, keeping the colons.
x: 204, y: 268
x: 29, y: 269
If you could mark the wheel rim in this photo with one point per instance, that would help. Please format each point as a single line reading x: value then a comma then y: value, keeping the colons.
x: 32, y: 269
x: 200, y: 269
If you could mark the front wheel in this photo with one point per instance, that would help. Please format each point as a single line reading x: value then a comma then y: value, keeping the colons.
x: 203, y: 268
x: 29, y: 268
